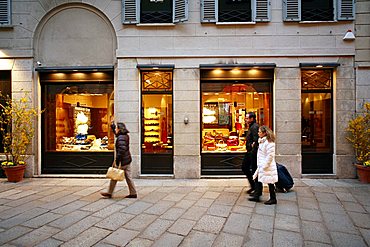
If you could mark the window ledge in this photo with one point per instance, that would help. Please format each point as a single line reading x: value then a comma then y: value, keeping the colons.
x: 315, y: 22
x: 6, y: 26
x: 155, y: 24
x: 236, y: 23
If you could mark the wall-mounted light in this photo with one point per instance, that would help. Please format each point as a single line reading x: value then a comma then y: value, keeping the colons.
x: 349, y: 35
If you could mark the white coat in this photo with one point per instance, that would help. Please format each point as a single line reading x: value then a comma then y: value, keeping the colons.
x: 266, y: 165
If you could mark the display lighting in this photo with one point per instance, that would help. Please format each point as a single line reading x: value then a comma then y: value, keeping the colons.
x: 253, y: 71
x: 209, y: 119
x: 207, y: 111
x: 217, y: 71
x: 152, y: 110
x: 235, y: 71
x: 208, y: 115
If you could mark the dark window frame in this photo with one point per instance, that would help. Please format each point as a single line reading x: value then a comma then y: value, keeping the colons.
x: 312, y: 11
x: 235, y: 10
x: 156, y: 11
x: 5, y: 89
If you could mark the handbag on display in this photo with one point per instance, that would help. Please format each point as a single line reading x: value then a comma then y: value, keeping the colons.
x: 115, y: 173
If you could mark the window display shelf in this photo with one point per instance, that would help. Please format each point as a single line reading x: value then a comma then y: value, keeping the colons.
x: 151, y: 125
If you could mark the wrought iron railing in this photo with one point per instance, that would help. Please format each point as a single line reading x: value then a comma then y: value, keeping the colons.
x: 318, y: 14
x: 235, y: 15
x: 156, y: 17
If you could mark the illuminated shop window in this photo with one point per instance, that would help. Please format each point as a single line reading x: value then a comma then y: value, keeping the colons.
x: 78, y: 117
x: 224, y: 107
x: 156, y: 112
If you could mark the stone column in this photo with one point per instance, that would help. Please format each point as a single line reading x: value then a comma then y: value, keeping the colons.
x: 288, y: 119
x: 127, y: 106
x: 186, y: 136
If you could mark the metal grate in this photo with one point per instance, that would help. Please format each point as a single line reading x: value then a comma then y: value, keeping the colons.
x: 235, y: 15
x: 157, y: 81
x: 156, y: 17
x: 316, y: 79
x: 317, y: 14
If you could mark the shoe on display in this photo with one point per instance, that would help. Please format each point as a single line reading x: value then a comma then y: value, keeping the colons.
x: 270, y: 202
x: 106, y: 194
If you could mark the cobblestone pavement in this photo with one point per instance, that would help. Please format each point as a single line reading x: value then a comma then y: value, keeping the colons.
x: 204, y: 212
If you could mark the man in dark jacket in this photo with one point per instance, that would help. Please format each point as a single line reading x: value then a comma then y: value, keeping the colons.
x: 249, y: 165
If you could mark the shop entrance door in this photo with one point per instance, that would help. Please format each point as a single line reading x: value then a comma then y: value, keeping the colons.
x: 156, y: 122
x: 317, y: 122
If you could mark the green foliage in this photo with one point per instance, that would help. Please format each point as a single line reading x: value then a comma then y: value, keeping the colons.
x: 359, y: 135
x: 17, y: 119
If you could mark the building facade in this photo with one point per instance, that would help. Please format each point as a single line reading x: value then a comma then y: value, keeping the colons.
x: 182, y: 75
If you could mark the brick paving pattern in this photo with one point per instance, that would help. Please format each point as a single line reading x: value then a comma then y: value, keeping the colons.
x: 206, y: 212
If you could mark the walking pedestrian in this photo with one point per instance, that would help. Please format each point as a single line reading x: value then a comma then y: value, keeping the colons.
x: 266, y: 172
x: 123, y: 158
x: 249, y: 164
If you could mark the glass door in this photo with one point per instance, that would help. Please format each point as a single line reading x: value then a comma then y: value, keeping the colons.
x: 156, y: 120
x: 317, y: 122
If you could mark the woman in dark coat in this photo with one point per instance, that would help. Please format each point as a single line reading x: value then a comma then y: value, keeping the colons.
x: 123, y: 158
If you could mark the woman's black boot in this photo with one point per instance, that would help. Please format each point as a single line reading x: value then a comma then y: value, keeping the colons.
x: 272, y: 195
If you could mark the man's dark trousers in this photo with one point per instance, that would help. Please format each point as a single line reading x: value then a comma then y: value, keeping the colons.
x: 249, y: 166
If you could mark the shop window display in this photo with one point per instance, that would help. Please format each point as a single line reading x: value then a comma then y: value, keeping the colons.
x: 78, y: 117
x: 157, y: 112
x: 224, y: 106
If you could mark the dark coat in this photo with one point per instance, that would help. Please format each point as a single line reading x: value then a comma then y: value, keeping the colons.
x: 123, y: 154
x: 252, y: 137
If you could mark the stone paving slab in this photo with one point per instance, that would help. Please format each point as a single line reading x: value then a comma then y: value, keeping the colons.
x: 182, y: 212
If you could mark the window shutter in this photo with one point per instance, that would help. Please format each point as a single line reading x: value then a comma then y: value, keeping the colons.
x: 346, y: 10
x: 5, y: 12
x: 181, y: 10
x: 130, y: 11
x: 262, y: 10
x: 291, y: 10
x: 209, y: 9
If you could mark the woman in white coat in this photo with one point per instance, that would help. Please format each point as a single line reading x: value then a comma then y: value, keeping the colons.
x: 266, y: 172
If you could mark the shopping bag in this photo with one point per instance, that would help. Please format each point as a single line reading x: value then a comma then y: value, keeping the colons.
x: 115, y: 173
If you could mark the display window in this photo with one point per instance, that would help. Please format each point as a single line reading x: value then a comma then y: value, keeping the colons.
x: 316, y: 111
x: 157, y: 112
x: 224, y: 108
x: 77, y: 117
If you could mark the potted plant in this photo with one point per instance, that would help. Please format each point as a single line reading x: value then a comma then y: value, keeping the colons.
x: 17, y: 119
x: 359, y: 136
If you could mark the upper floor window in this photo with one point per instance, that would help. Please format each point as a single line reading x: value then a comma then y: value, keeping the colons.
x: 154, y: 11
x: 5, y: 13
x: 235, y: 10
x: 318, y: 10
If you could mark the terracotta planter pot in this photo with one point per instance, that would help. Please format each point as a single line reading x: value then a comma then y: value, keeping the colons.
x: 14, y: 173
x: 363, y: 173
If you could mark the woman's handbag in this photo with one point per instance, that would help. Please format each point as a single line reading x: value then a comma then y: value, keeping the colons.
x: 115, y: 173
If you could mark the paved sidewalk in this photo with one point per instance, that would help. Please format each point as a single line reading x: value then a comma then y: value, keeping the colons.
x: 205, y: 212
